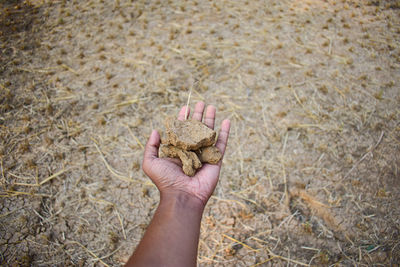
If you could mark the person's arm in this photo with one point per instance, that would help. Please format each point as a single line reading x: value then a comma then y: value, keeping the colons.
x: 173, y: 234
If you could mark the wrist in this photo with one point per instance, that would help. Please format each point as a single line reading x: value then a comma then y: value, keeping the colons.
x: 181, y: 201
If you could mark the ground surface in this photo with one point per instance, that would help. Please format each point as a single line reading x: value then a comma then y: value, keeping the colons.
x: 311, y: 173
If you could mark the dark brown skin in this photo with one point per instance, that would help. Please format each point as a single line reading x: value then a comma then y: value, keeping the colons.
x: 173, y: 234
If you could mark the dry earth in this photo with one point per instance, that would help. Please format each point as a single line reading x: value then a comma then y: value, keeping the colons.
x: 311, y: 173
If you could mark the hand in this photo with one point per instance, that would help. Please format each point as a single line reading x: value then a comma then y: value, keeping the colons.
x: 167, y: 173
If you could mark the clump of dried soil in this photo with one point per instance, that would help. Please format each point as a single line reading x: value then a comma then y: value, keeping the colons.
x: 188, y: 134
x: 192, y: 142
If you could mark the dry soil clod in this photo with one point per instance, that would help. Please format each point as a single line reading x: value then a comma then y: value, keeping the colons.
x: 188, y: 134
x: 210, y: 154
x: 191, y: 141
x: 190, y: 161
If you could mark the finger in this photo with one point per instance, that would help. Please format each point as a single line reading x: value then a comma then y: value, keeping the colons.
x: 151, y: 149
x: 182, y: 113
x: 198, y: 111
x: 223, y: 136
x: 210, y: 117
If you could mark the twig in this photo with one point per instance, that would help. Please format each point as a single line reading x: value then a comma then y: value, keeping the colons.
x: 297, y: 98
x: 90, y: 252
x: 216, y: 248
x: 241, y: 243
x: 307, y: 126
x: 42, y: 182
x: 17, y: 176
x: 111, y: 253
x: 99, y: 200
x: 249, y: 200
x: 229, y: 200
x: 70, y: 69
x: 40, y: 216
x: 120, y: 222
x: 365, y: 155
x: 282, y: 258
x: 10, y: 212
x: 2, y: 170
x: 129, y: 102
x: 113, y: 172
x: 11, y: 193
x: 36, y: 70
x: 52, y: 176
x: 134, y: 137
x: 284, y: 171
x: 260, y: 263
x: 187, y: 103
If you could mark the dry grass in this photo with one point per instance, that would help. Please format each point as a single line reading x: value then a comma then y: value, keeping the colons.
x: 311, y: 87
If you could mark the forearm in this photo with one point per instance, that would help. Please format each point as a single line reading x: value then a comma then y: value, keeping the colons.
x: 173, y: 234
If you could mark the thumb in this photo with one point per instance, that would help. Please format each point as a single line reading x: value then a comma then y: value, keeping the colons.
x: 151, y: 149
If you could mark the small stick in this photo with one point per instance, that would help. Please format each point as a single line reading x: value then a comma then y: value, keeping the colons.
x: 267, y: 260
x: 241, y: 243
x: 70, y: 69
x: 216, y: 248
x: 134, y: 136
x: 110, y: 254
x: 2, y: 170
x: 10, y: 193
x: 102, y: 201
x: 229, y: 200
x: 8, y: 213
x: 42, y: 182
x: 287, y: 199
x: 365, y: 155
x: 273, y: 255
x: 109, y: 168
x: 52, y: 176
x: 120, y: 222
x: 187, y: 103
x: 90, y: 252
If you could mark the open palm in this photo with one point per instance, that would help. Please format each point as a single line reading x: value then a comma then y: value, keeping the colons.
x: 167, y: 173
